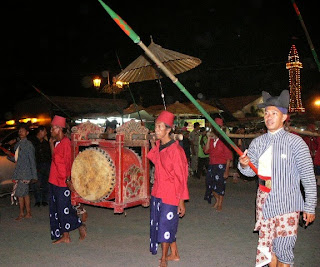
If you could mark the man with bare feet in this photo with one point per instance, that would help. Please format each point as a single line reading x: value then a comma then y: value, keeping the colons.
x: 284, y: 162
x: 169, y: 189
x: 24, y: 172
x: 63, y: 216
x: 220, y: 157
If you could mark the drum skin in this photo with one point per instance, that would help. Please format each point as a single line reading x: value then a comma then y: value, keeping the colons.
x: 94, y: 172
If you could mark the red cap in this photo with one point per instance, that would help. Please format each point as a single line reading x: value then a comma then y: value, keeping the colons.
x: 219, y: 121
x: 59, y: 121
x: 166, y: 117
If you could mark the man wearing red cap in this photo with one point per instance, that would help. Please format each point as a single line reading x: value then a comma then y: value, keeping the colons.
x: 283, y: 162
x: 63, y: 217
x: 169, y: 189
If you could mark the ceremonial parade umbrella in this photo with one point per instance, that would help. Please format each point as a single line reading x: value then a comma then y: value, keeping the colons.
x: 144, y: 69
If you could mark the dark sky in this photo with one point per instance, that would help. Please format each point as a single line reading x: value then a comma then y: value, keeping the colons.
x: 243, y: 46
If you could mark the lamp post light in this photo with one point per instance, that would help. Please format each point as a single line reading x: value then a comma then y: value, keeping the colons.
x: 97, y: 82
x: 110, y: 88
x: 317, y: 103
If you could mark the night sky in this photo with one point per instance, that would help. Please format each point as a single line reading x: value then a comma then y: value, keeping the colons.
x: 59, y: 46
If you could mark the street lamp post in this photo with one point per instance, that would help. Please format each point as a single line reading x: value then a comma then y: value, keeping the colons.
x: 97, y: 82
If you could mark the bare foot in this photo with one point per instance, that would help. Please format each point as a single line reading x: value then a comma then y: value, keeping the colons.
x: 84, y: 216
x: 215, y: 206
x: 82, y: 232
x: 163, y: 263
x: 20, y: 217
x: 63, y: 239
x: 219, y: 208
x: 172, y: 257
x: 28, y: 216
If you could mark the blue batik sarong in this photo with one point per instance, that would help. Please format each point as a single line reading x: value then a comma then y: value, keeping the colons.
x: 63, y: 216
x: 215, y: 179
x: 164, y: 220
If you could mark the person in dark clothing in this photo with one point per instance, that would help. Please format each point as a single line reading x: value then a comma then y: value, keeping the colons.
x: 43, y: 161
x: 186, y: 145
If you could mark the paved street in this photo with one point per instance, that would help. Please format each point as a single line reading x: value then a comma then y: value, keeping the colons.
x: 205, y: 237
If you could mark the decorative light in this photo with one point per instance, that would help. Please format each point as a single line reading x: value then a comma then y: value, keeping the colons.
x: 26, y: 120
x: 317, y: 103
x: 11, y: 122
x: 294, y: 66
x: 120, y: 84
x: 96, y: 82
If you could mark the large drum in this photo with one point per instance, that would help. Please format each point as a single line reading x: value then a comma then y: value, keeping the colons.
x: 94, y: 173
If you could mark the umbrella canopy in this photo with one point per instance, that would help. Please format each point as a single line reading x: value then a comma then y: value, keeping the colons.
x: 133, y: 108
x: 207, y: 107
x: 142, y: 115
x: 182, y: 109
x: 137, y: 112
x: 143, y: 69
x: 177, y: 108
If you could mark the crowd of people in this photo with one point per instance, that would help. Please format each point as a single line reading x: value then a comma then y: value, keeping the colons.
x: 279, y: 160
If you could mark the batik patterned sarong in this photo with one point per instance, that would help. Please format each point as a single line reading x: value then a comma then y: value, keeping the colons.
x: 164, y: 220
x: 215, y: 180
x: 63, y: 216
x: 276, y: 235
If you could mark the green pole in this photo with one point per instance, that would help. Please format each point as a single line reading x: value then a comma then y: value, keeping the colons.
x: 136, y: 39
x: 313, y: 51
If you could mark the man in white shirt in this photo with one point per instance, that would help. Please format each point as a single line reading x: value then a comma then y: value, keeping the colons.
x: 283, y: 161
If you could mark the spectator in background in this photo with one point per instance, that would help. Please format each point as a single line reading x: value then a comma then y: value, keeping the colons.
x: 218, y: 170
x: 311, y: 141
x: 185, y: 126
x: 194, y: 142
x: 203, y: 159
x: 24, y: 172
x: 43, y: 161
x: 186, y: 145
x: 316, y: 160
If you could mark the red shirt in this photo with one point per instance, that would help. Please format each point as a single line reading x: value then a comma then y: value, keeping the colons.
x: 317, y: 156
x: 219, y: 154
x: 312, y: 143
x: 61, y: 163
x: 171, y: 173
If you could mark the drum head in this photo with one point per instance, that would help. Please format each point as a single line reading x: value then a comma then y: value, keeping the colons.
x: 93, y: 174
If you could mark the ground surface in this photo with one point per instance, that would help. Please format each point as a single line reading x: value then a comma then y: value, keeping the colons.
x: 205, y: 237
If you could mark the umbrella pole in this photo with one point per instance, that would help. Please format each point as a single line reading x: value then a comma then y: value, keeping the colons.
x: 307, y: 34
x: 134, y: 102
x: 136, y: 39
x: 162, y: 94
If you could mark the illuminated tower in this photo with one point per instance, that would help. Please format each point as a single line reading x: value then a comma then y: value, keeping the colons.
x: 294, y: 66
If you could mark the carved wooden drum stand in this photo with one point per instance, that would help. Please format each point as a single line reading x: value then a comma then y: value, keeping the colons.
x: 110, y: 170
